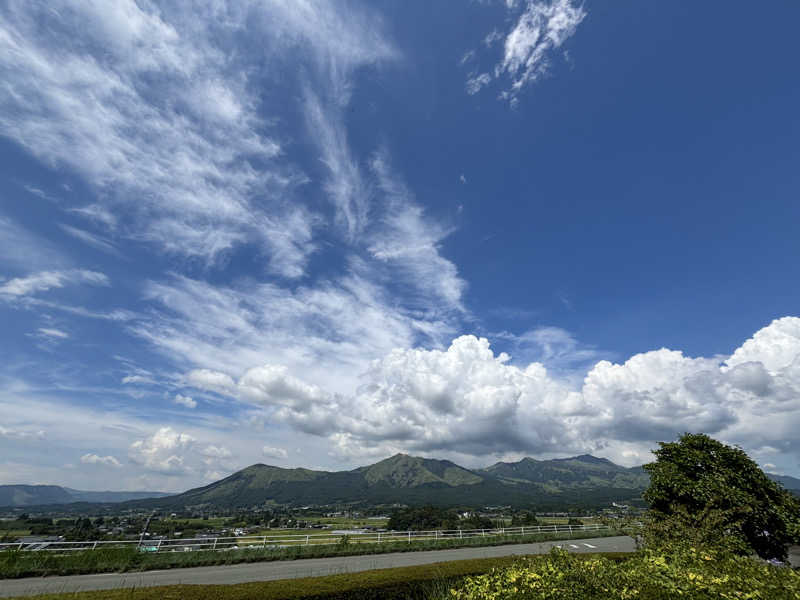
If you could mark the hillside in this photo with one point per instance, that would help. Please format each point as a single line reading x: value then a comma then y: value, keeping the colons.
x: 35, y: 495
x: 583, y: 471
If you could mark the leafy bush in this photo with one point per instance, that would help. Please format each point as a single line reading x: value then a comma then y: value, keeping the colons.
x: 691, y: 574
x: 702, y: 491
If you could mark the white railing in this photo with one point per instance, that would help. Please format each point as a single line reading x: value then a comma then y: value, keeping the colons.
x: 287, y: 541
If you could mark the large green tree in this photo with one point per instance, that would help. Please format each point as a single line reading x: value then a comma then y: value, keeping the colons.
x: 703, y: 491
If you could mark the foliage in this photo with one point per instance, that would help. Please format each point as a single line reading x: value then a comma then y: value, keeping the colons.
x: 702, y: 491
x: 692, y: 574
x: 524, y: 518
x: 422, y: 518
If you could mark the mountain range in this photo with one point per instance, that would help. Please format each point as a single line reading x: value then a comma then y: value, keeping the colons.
x: 580, y: 481
x: 32, y: 495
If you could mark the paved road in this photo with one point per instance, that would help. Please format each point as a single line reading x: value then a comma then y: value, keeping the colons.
x: 308, y: 567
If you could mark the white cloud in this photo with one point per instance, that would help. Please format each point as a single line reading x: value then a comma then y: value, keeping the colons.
x: 19, y: 434
x: 345, y: 187
x: 94, y: 459
x: 163, y: 452
x: 53, y: 333
x: 407, y: 241
x: 271, y: 452
x: 186, y: 401
x: 542, y: 27
x: 47, y: 280
x: 477, y: 82
x: 133, y: 379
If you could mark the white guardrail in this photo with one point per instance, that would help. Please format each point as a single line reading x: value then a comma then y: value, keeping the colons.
x: 285, y: 541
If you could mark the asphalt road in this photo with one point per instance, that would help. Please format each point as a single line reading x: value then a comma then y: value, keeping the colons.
x: 309, y: 567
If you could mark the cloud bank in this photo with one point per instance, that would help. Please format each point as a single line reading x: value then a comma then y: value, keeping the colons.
x: 469, y: 401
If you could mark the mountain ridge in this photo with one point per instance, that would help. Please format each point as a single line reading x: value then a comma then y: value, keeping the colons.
x: 23, y: 495
x: 582, y: 480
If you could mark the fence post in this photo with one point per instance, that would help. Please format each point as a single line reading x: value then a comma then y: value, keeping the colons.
x: 20, y: 545
x: 94, y: 545
x: 379, y: 537
x: 409, y: 537
x: 460, y: 534
x: 306, y: 539
x: 523, y: 530
x: 483, y: 532
x: 264, y: 545
x: 214, y: 547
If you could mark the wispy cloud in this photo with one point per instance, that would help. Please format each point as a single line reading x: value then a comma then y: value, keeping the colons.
x: 541, y: 28
x: 53, y: 333
x: 91, y: 239
x: 174, y: 114
x: 46, y: 280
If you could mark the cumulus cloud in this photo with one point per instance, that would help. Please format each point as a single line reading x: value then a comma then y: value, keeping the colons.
x: 162, y: 452
x: 186, y: 401
x: 47, y: 280
x: 468, y: 400
x: 271, y: 452
x: 541, y: 28
x: 94, y: 459
x: 173, y: 453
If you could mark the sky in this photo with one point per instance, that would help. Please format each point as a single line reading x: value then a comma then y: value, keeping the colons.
x: 317, y: 234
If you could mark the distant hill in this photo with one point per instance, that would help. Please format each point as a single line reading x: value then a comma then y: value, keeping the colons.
x: 35, y: 495
x: 790, y: 483
x: 583, y: 471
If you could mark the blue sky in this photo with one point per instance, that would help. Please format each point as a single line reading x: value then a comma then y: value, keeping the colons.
x: 315, y: 234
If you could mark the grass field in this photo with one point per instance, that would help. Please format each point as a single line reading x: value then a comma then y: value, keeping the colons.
x: 14, y: 564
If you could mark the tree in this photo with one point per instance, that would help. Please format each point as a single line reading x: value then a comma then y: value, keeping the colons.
x: 704, y: 492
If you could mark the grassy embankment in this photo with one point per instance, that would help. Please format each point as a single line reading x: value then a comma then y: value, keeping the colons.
x: 14, y: 564
x: 428, y: 582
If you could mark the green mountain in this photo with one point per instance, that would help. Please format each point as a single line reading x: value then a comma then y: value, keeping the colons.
x: 36, y: 495
x: 403, y: 471
x: 583, y: 471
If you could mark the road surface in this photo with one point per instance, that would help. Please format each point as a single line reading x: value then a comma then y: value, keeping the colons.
x: 291, y: 569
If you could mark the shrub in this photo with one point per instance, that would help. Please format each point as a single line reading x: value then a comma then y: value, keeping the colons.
x: 691, y: 574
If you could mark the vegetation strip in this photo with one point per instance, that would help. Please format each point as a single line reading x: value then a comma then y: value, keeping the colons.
x: 423, y: 581
x: 15, y: 564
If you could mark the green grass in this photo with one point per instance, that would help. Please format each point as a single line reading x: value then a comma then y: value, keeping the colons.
x: 14, y: 564
x: 404, y: 583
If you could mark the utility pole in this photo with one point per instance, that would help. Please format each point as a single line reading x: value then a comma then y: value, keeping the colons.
x: 146, y: 525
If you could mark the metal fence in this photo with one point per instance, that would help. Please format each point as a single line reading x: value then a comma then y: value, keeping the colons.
x: 257, y: 542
